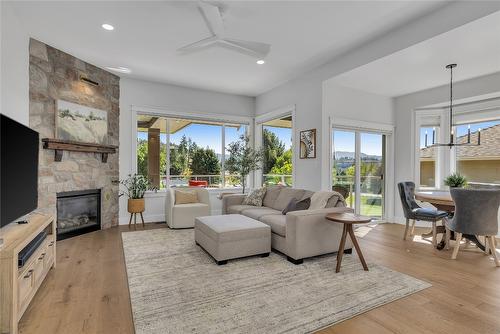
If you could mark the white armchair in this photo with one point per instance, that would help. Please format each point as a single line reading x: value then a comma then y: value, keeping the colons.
x: 183, y: 215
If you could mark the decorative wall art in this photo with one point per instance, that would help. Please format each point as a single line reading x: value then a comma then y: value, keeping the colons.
x: 308, y: 144
x: 80, y: 123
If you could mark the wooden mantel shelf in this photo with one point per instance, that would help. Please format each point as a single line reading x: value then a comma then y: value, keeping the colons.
x: 59, y: 146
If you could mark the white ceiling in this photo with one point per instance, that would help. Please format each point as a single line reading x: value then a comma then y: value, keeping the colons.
x: 475, y: 47
x: 303, y: 35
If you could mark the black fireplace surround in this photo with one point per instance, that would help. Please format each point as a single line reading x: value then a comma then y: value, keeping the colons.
x: 78, y: 212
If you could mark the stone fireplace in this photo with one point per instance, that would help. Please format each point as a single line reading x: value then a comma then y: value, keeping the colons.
x: 56, y: 75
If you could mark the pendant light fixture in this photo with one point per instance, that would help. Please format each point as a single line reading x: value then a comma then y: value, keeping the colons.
x: 452, y: 143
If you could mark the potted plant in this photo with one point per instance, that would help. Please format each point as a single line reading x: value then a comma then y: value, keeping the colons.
x: 243, y: 159
x: 135, y: 186
x: 456, y: 180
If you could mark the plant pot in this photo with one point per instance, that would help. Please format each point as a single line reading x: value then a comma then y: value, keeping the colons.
x: 135, y: 205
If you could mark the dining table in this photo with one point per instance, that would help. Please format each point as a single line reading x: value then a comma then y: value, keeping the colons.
x: 442, y: 200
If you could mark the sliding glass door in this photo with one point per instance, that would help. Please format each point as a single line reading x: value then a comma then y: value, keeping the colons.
x: 372, y: 147
x: 358, y: 170
x: 344, y: 165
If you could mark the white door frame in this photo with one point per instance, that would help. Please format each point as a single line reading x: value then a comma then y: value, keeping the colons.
x: 362, y: 126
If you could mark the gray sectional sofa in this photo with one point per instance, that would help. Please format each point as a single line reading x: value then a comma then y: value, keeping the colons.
x: 298, y: 234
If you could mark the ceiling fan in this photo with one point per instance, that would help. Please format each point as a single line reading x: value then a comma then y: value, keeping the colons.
x: 215, y: 23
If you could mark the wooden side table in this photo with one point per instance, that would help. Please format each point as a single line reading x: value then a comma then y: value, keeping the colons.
x: 348, y: 219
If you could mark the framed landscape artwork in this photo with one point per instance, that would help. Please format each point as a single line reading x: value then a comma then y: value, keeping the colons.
x: 80, y: 123
x: 308, y: 144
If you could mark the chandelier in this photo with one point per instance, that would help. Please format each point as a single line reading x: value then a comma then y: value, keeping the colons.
x: 452, y: 143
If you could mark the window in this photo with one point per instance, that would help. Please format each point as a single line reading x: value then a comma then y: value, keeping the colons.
x: 344, y: 164
x: 278, y: 151
x: 428, y: 156
x: 233, y: 132
x: 358, y: 167
x: 195, y: 155
x: 479, y: 164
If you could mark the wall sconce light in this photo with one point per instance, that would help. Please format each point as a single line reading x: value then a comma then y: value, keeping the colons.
x: 88, y: 81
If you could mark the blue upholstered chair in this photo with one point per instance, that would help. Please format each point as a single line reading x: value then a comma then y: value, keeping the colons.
x: 414, y: 212
x: 476, y: 213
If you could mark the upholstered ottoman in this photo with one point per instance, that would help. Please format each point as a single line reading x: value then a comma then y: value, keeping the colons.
x: 229, y: 237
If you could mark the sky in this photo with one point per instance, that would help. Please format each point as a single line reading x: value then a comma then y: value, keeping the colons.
x: 284, y: 135
x: 210, y: 135
x: 344, y: 141
x: 461, y: 130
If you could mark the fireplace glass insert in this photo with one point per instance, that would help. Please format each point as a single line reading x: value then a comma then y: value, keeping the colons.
x: 78, y: 212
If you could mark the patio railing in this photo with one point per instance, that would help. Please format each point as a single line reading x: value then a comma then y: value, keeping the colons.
x: 213, y: 181
x: 371, y: 188
x: 282, y: 179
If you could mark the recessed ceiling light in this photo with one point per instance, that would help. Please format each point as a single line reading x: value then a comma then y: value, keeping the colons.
x: 107, y: 26
x: 119, y: 69
x: 261, y: 61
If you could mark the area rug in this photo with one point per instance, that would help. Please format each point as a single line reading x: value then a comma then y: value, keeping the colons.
x: 175, y: 287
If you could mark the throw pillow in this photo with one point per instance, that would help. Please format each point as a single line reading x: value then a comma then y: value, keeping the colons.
x: 255, y: 197
x: 295, y: 205
x: 186, y: 196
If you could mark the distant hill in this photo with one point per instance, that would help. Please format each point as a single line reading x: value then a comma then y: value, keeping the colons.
x: 345, y: 155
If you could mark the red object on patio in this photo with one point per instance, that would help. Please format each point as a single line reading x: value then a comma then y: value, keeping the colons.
x: 198, y: 183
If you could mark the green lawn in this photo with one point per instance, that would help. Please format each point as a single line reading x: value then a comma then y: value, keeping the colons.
x: 366, y: 209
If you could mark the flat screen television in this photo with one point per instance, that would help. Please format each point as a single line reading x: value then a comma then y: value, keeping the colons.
x: 18, y: 170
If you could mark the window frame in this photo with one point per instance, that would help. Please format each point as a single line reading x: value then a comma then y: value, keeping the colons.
x: 468, y: 119
x: 258, y: 130
x: 463, y: 113
x: 429, y: 118
x: 358, y: 126
x: 169, y: 114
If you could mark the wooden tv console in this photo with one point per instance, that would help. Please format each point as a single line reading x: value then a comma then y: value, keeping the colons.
x: 18, y: 286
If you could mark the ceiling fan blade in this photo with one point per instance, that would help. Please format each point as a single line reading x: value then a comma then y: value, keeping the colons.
x: 206, y: 42
x: 248, y: 47
x: 213, y: 18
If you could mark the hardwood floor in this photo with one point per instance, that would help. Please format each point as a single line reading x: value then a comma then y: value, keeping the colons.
x: 88, y: 291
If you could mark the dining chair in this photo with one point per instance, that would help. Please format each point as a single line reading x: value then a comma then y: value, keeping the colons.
x: 476, y: 213
x: 413, y: 211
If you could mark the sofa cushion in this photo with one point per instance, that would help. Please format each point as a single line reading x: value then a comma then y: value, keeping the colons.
x: 271, y: 195
x: 256, y: 213
x: 285, y: 196
x: 276, y: 222
x: 234, y: 209
x: 183, y: 214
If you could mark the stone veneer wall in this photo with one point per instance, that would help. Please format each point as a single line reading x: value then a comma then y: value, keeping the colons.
x: 56, y: 75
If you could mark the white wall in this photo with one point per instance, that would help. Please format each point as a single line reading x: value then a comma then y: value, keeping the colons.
x: 306, y: 96
x: 163, y: 98
x: 365, y: 110
x: 404, y: 111
x: 305, y: 92
x: 14, y: 48
x: 350, y: 107
x: 356, y: 104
